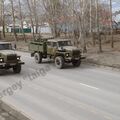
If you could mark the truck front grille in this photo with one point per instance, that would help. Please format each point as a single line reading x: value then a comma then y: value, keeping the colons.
x: 11, y: 58
x: 76, y: 53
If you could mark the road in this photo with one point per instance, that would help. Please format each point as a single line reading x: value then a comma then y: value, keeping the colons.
x: 84, y: 93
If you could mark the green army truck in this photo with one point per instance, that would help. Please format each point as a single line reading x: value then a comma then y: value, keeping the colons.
x: 60, y: 50
x: 8, y: 58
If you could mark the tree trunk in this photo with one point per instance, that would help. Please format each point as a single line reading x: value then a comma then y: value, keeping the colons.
x: 3, y: 17
x: 35, y: 15
x: 13, y: 16
x: 112, y: 40
x: 98, y: 27
x: 30, y: 14
x: 21, y: 19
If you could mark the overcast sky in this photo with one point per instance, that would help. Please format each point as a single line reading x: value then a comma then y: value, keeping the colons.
x: 116, y: 5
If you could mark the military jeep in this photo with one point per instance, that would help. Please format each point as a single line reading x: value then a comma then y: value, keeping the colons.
x: 8, y: 58
x: 60, y: 50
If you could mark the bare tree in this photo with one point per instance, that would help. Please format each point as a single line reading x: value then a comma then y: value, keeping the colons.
x: 35, y: 15
x: 112, y: 41
x: 83, y: 5
x: 98, y: 25
x: 21, y: 19
x: 53, y: 13
x: 31, y: 17
x: 14, y: 22
x: 3, y: 16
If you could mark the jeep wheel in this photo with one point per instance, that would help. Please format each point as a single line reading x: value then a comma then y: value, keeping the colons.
x: 38, y: 57
x: 76, y: 63
x: 59, y: 62
x: 17, y: 69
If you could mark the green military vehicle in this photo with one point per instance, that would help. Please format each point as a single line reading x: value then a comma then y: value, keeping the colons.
x: 8, y: 58
x: 60, y: 50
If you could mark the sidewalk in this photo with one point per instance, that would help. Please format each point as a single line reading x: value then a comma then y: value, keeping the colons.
x: 109, y: 59
x: 7, y: 112
x: 5, y: 116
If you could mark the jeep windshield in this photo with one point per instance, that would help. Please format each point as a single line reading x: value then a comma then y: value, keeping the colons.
x: 64, y: 43
x: 5, y: 47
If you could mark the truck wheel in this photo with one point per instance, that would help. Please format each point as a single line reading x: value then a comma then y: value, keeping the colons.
x: 17, y: 69
x: 76, y: 63
x: 59, y: 62
x: 38, y: 57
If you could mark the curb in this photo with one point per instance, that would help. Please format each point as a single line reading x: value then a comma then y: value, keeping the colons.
x: 18, y: 115
x: 113, y: 67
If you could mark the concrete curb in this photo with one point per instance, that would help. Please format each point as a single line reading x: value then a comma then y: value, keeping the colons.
x: 18, y: 115
x: 113, y: 67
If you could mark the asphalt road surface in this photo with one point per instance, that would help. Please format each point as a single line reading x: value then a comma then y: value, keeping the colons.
x: 44, y: 92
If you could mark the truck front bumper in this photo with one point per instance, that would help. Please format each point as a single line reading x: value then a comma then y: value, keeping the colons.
x: 2, y: 65
x: 8, y: 65
x: 68, y: 59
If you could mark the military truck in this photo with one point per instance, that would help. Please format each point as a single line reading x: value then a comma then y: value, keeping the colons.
x: 8, y: 58
x: 60, y: 50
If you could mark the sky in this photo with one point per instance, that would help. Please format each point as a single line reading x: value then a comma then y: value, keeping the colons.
x: 115, y: 4
x: 116, y: 7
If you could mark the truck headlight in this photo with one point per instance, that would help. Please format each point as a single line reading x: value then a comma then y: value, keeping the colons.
x: 67, y: 55
x: 1, y: 60
x: 18, y: 57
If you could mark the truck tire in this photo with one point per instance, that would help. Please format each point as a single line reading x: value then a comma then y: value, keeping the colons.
x: 76, y: 63
x: 59, y: 62
x: 17, y: 69
x: 38, y: 57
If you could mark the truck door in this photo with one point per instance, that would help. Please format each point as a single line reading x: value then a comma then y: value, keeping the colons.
x: 51, y: 48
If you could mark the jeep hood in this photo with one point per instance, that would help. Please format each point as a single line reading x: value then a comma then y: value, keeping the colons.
x: 70, y: 48
x: 7, y: 52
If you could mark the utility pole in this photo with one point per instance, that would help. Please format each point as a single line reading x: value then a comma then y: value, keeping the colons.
x: 111, y: 24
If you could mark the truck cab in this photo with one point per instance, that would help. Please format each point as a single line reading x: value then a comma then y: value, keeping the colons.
x: 9, y: 58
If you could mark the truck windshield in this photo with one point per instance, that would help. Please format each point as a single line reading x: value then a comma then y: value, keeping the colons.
x: 64, y: 43
x: 5, y: 47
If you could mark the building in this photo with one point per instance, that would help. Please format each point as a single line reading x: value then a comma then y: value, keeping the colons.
x: 43, y: 29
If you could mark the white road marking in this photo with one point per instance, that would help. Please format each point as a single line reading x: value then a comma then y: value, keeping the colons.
x: 89, y: 86
x: 107, y: 117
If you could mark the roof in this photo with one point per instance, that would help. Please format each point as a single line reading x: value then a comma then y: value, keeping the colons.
x: 58, y: 40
